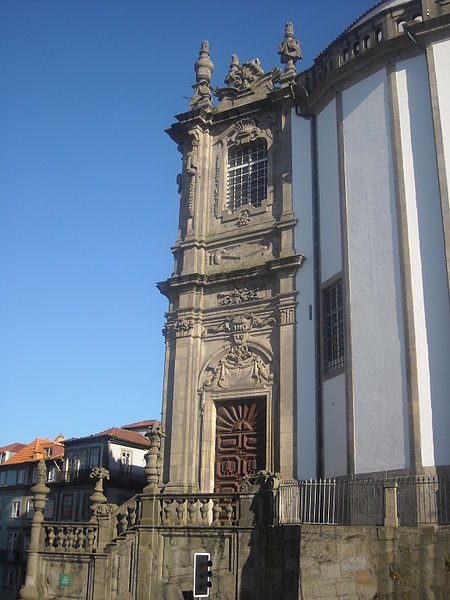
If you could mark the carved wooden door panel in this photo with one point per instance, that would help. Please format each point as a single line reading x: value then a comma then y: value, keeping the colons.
x: 240, y: 442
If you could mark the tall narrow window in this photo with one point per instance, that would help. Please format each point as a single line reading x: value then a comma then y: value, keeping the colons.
x: 333, y: 328
x: 247, y: 174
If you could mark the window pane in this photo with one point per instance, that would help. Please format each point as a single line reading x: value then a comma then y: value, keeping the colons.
x: 247, y: 175
x: 333, y: 328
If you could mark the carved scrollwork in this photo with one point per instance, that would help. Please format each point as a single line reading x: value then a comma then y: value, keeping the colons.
x: 240, y: 360
x: 240, y: 253
x: 237, y: 296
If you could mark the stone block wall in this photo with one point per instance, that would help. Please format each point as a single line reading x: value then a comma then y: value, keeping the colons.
x: 292, y: 562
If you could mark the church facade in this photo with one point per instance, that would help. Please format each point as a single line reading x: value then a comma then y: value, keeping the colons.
x: 308, y: 330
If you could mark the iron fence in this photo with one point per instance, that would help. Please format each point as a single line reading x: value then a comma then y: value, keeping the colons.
x: 362, y: 501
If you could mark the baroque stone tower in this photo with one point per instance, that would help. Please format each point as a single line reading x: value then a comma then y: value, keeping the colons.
x: 229, y: 403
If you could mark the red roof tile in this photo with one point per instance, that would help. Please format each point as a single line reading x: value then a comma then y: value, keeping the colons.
x: 36, y: 451
x: 140, y: 424
x: 14, y: 447
x: 119, y: 434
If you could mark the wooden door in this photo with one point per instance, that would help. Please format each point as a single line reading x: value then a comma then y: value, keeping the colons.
x: 240, y: 442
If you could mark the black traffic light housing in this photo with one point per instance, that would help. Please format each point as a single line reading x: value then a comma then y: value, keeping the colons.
x: 202, y: 574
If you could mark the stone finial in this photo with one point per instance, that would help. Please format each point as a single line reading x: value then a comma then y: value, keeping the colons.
x: 155, y: 433
x: 289, y: 50
x: 98, y: 497
x: 203, y: 71
x: 41, y: 472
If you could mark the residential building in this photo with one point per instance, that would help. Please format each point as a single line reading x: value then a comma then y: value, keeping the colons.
x: 17, y: 476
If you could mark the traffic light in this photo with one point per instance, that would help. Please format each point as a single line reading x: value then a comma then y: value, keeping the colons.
x: 202, y: 574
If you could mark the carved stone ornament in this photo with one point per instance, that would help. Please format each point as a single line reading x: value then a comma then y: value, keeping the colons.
x: 203, y: 71
x: 289, y: 50
x: 238, y: 253
x: 191, y: 168
x: 243, y: 132
x: 237, y: 296
x: 41, y: 472
x: 260, y: 481
x: 179, y: 328
x: 243, y: 219
x: 245, y: 79
x: 241, y: 364
x: 104, y: 510
x: 155, y: 433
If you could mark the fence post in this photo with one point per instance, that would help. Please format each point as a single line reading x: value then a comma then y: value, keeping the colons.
x: 390, y: 504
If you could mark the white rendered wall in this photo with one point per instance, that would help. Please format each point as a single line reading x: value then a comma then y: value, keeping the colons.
x: 378, y: 356
x: 115, y: 454
x: 333, y: 390
x: 334, y: 426
x: 302, y: 199
x: 330, y: 220
x: 427, y: 258
x: 441, y: 52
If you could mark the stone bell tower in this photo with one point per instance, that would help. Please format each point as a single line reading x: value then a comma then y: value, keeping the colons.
x: 229, y: 405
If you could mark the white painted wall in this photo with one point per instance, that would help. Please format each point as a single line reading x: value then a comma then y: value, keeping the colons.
x: 302, y: 199
x: 138, y: 460
x: 334, y: 426
x: 378, y: 356
x: 330, y: 220
x: 428, y: 267
x: 441, y: 53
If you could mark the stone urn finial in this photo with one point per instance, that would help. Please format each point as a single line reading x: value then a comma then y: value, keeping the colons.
x: 99, y: 474
x: 155, y: 433
x: 289, y: 50
x: 203, y: 71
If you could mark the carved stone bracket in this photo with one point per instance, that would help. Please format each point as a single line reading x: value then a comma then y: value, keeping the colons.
x: 237, y: 296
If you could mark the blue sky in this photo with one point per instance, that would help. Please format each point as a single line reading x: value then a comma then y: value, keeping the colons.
x: 88, y: 194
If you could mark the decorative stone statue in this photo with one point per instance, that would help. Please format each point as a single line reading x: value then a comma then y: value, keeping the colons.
x: 289, y: 50
x: 203, y: 71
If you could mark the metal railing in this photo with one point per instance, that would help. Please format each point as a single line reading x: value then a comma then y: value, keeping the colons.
x: 362, y: 501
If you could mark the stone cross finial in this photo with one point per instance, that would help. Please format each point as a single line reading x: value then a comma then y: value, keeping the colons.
x: 289, y: 50
x: 155, y: 433
x: 203, y: 71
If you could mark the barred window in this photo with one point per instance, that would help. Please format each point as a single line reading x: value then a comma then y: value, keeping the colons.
x: 247, y: 174
x: 333, y: 328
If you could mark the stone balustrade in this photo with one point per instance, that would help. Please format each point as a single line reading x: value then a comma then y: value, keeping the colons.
x: 128, y: 515
x: 384, y: 25
x: 199, y: 510
x: 76, y: 537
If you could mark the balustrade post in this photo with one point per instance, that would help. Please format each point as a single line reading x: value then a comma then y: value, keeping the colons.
x: 150, y: 499
x: 40, y: 492
x: 390, y: 504
x: 101, y: 510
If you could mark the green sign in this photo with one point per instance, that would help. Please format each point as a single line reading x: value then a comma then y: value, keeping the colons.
x: 65, y: 580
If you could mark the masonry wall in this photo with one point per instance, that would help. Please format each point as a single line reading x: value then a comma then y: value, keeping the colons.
x: 305, y: 561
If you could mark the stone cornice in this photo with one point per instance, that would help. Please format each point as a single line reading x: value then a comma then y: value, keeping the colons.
x: 180, y: 283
